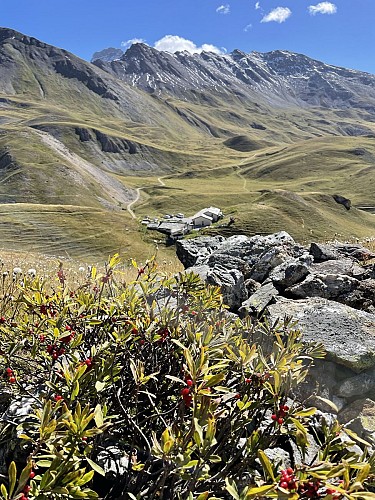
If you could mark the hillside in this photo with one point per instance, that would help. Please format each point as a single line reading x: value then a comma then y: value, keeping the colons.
x: 79, y: 142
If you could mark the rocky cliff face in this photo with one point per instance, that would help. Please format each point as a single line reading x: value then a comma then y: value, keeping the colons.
x: 279, y: 78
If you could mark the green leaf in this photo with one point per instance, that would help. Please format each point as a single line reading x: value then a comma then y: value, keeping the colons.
x: 24, y: 477
x: 98, y: 416
x: 12, y: 474
x: 355, y: 436
x: 214, y: 379
x: 329, y: 403
x: 231, y: 488
x: 4, y: 492
x: 44, y: 463
x: 307, y: 412
x: 259, y: 490
x: 99, y: 385
x: 267, y: 466
x: 203, y: 496
x: 96, y: 467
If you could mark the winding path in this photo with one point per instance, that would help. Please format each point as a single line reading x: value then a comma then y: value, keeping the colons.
x: 162, y: 183
x: 128, y: 208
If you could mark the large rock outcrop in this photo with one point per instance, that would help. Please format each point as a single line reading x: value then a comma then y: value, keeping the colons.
x: 328, y: 288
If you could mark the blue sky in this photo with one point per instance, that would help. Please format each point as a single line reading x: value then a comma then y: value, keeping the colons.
x: 339, y: 32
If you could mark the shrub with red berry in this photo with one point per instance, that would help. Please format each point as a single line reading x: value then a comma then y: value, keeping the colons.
x: 175, y: 384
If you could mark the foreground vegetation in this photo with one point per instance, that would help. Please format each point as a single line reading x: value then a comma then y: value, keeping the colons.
x: 148, y: 388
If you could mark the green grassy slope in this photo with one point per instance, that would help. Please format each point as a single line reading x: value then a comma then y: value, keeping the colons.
x: 270, y: 168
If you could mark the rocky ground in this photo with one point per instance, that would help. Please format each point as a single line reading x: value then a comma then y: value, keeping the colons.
x: 328, y: 288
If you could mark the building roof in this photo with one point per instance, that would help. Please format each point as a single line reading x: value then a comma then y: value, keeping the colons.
x: 213, y: 210
x: 201, y: 214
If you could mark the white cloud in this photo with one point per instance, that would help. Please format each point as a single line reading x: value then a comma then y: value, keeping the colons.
x: 323, y: 8
x: 223, y: 9
x: 278, y: 15
x: 175, y: 43
x: 248, y: 27
x: 257, y: 6
x: 130, y: 42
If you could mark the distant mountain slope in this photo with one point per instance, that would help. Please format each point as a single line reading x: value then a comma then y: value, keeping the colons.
x: 79, y: 142
x: 279, y: 78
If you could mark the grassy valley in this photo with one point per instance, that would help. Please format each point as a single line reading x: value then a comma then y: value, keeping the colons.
x: 78, y: 146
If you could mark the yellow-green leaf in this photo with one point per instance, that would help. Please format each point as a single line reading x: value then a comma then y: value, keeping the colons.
x: 307, y: 412
x: 12, y: 474
x: 99, y: 385
x: 231, y: 488
x: 96, y: 467
x: 98, y: 416
x: 258, y: 490
x: 355, y: 436
x: 267, y: 466
x: 4, y: 492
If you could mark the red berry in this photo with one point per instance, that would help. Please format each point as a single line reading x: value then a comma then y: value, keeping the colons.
x: 32, y: 475
x: 58, y: 397
x: 68, y: 327
x: 55, y: 355
x: 9, y: 371
x: 23, y: 498
x: 134, y: 331
x: 247, y: 380
x: 284, y: 485
x: 285, y: 408
x: 12, y: 380
x: 274, y: 417
x: 292, y: 485
x: 42, y: 338
x: 88, y: 362
x: 2, y: 320
x: 237, y: 396
x: 84, y: 438
x: 280, y: 420
x: 27, y: 489
x: 185, y: 391
x: 189, y: 382
x: 142, y: 342
x: 290, y: 471
x: 141, y: 270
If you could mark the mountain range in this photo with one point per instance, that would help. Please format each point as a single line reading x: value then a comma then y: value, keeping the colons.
x: 267, y: 137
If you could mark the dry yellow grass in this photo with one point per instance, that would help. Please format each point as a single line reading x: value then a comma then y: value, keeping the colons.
x: 75, y: 272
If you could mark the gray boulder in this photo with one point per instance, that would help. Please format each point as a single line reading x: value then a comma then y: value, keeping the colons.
x: 359, y: 416
x: 232, y: 285
x: 291, y: 271
x: 259, y: 300
x: 249, y: 249
x: 341, y: 266
x: 322, y: 252
x: 269, y: 260
x: 227, y: 261
x: 347, y: 334
x: 356, y: 386
x: 190, y: 250
x: 328, y: 286
x: 362, y: 297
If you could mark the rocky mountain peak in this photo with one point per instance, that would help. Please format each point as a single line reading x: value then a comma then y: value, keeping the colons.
x: 108, y: 55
